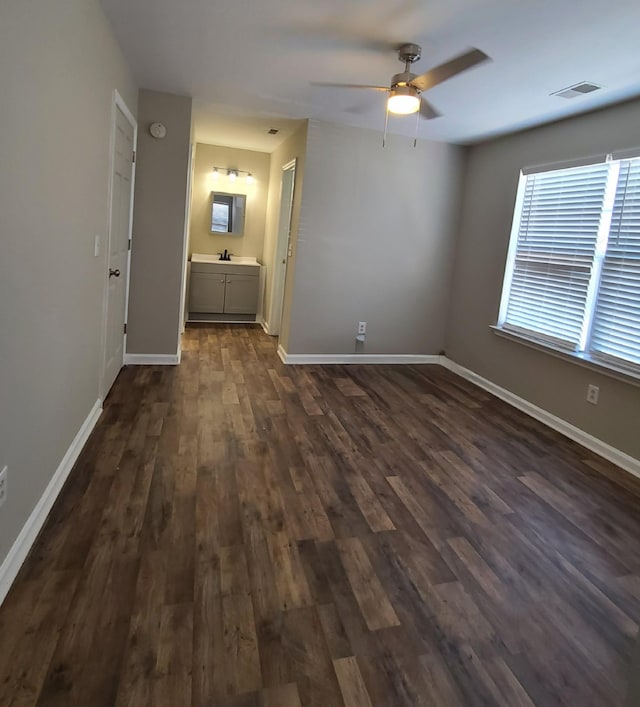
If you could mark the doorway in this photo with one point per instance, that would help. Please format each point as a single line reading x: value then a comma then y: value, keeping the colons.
x: 283, y: 247
x: 123, y: 141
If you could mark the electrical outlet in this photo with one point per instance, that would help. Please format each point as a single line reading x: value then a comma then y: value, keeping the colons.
x: 592, y: 394
x: 3, y: 485
x: 362, y: 327
x: 96, y: 246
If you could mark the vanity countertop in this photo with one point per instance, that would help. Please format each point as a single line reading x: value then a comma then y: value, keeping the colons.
x: 235, y: 259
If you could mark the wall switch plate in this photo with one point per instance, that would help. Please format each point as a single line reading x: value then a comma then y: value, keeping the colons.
x: 362, y: 327
x: 592, y: 394
x: 3, y: 485
x: 96, y: 246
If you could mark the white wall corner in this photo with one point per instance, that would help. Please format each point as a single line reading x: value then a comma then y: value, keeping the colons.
x: 21, y: 547
x: 615, y: 456
x: 153, y: 359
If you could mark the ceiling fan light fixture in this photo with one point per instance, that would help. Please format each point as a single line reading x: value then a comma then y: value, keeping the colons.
x: 403, y: 100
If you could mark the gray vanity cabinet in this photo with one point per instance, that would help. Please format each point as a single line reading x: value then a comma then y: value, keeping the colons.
x: 241, y: 294
x: 223, y: 289
x: 206, y: 292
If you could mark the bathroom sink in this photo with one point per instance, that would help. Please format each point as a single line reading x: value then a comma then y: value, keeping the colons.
x: 235, y: 259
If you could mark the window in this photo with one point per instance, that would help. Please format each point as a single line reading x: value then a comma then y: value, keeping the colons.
x: 221, y: 219
x: 572, y: 279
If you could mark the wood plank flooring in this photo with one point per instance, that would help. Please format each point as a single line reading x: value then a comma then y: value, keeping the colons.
x: 239, y: 533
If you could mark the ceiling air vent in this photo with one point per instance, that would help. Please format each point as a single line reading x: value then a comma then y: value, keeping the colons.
x: 578, y: 90
x: 273, y: 131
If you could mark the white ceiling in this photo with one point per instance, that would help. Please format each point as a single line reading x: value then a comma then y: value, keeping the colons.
x: 249, y: 63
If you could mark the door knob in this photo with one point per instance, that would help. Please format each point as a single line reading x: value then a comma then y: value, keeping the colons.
x: 114, y: 273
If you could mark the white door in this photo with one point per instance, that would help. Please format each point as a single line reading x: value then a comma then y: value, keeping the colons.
x: 118, y: 247
x: 283, y: 247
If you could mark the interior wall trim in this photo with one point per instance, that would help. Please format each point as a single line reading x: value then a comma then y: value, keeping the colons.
x: 608, y: 452
x: 263, y: 323
x: 152, y: 359
x: 330, y: 359
x: 20, y: 548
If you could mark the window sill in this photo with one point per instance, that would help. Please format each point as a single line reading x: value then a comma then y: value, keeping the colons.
x: 605, y: 368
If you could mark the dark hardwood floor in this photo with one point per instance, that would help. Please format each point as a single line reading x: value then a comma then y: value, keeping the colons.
x: 242, y: 533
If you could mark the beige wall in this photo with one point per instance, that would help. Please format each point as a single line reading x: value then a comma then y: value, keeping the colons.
x: 375, y: 243
x: 294, y: 147
x: 60, y: 64
x: 491, y: 181
x: 201, y: 240
x: 162, y: 169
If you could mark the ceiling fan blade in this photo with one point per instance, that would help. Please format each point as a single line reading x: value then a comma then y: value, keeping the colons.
x: 449, y: 69
x: 348, y: 85
x: 427, y: 110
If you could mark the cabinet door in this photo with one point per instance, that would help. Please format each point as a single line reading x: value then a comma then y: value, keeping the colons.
x: 241, y: 295
x: 206, y: 292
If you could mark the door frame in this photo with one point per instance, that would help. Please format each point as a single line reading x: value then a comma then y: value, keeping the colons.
x: 117, y: 102
x: 185, y: 246
x: 280, y: 274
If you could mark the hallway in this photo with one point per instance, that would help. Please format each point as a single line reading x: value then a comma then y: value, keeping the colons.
x: 240, y: 533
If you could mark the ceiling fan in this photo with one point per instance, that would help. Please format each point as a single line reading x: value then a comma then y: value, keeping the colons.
x: 406, y: 88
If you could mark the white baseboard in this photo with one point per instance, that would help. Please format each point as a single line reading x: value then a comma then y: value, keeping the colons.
x: 329, y: 359
x: 265, y: 326
x: 152, y: 359
x: 624, y: 461
x: 20, y: 548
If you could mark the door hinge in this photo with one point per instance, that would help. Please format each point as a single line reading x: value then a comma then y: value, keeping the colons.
x: 133, y: 157
x: 125, y: 328
x: 129, y: 244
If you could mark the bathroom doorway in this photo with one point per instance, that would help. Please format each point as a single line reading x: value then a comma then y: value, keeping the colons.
x: 283, y: 247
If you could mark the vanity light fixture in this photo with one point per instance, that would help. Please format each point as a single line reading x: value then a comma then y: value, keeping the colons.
x: 232, y: 174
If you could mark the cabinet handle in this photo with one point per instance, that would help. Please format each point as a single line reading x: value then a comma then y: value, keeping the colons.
x: 221, y: 280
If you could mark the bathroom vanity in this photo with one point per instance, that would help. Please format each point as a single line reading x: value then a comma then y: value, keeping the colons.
x: 222, y: 290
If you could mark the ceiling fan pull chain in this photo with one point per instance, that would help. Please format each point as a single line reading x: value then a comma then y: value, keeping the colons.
x: 415, y: 132
x: 386, y: 123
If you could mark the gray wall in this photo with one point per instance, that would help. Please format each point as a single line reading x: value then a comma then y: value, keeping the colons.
x: 375, y: 243
x: 59, y: 65
x: 162, y: 170
x: 489, y: 196
x: 251, y: 242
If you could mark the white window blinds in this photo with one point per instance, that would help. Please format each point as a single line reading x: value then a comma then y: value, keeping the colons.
x: 616, y: 327
x: 573, y: 270
x: 557, y: 237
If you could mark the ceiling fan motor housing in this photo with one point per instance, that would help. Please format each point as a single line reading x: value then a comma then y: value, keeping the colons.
x: 408, y: 53
x: 402, y: 79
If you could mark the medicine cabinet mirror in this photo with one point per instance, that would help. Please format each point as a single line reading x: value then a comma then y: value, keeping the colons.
x: 227, y: 213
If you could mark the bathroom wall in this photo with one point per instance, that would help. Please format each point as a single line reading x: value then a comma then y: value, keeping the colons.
x: 251, y: 243
x: 294, y: 147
